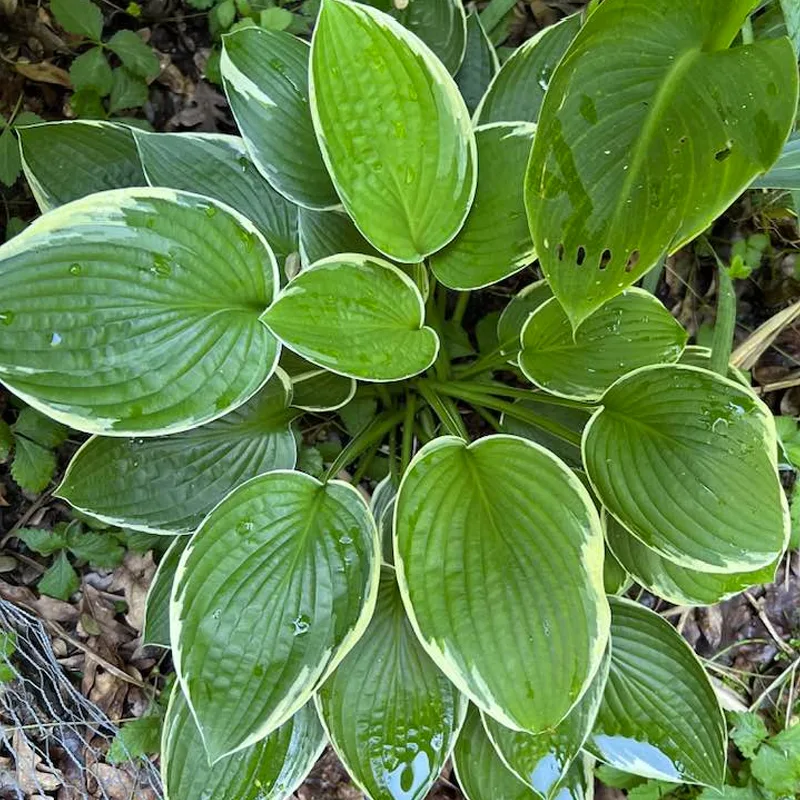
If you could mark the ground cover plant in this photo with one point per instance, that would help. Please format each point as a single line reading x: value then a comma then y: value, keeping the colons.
x: 195, y: 301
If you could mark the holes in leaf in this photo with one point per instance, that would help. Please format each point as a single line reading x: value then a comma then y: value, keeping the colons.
x: 721, y: 155
x: 581, y: 256
x: 605, y: 259
x: 633, y: 260
x: 560, y: 251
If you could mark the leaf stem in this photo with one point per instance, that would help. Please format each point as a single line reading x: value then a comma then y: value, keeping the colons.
x: 491, y: 361
x: 725, y: 325
x: 461, y: 307
x: 445, y: 409
x: 494, y: 388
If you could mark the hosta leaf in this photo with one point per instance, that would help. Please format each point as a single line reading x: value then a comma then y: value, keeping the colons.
x: 265, y: 75
x: 495, y: 241
x: 329, y: 233
x: 632, y: 330
x: 481, y: 773
x: 659, y: 717
x: 673, y: 582
x: 67, y: 160
x: 271, y: 769
x: 638, y: 150
x: 686, y: 460
x: 156, y: 607
x: 696, y: 356
x: 542, y: 760
x: 494, y: 513
x: 393, y: 129
x: 392, y: 716
x: 578, y: 783
x: 167, y: 484
x: 313, y: 388
x: 516, y: 313
x: 275, y: 587
x: 517, y: 92
x: 357, y: 316
x: 479, y: 66
x: 615, y: 578
x: 136, y: 312
x: 217, y: 166
x: 785, y: 173
x: 381, y: 505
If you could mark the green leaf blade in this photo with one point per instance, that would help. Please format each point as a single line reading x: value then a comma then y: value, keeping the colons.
x: 479, y: 66
x: 136, y: 55
x: 156, y: 608
x: 81, y: 17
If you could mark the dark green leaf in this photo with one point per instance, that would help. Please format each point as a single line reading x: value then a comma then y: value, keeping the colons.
x: 87, y: 105
x: 6, y: 440
x: 749, y: 732
x: 33, y: 466
x: 100, y: 549
x: 40, y: 429
x: 136, y: 55
x: 60, y: 581
x: 328, y: 233
x: 479, y: 66
x: 135, y: 739
x: 10, y: 163
x: 313, y: 388
x: 777, y: 763
x: 90, y: 70
x: 516, y: 313
x: 81, y: 17
x: 127, y: 91
x: 156, y: 610
x: 41, y: 541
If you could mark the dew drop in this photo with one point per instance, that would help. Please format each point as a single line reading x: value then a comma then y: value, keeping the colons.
x: 243, y: 163
x: 6, y: 317
x: 301, y: 625
x: 346, y: 539
x: 161, y: 267
x: 75, y: 269
x: 217, y: 614
x: 411, y: 174
x: 245, y: 527
x: 55, y: 339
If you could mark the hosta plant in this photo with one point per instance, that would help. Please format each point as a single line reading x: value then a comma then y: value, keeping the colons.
x: 205, y: 305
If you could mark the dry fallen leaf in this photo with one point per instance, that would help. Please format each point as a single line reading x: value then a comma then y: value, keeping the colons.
x: 46, y: 607
x: 44, y: 72
x: 133, y: 577
x: 32, y: 777
x: 120, y: 783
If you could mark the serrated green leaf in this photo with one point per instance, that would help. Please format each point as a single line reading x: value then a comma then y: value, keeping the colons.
x: 543, y: 760
x: 265, y: 75
x: 479, y: 66
x: 481, y: 773
x: 6, y: 440
x: 686, y: 460
x: 67, y: 160
x: 785, y: 172
x: 136, y: 738
x: 81, y: 17
x: 494, y: 512
x: 392, y: 716
x: 673, y: 582
x: 394, y: 132
x: 276, y: 18
x: 218, y: 166
x: 33, y: 466
x: 40, y: 429
x: 275, y: 588
x: 638, y: 151
x: 313, y: 388
x: 127, y: 91
x: 156, y: 608
x: 100, y: 549
x: 10, y: 163
x: 60, y: 580
x: 749, y: 732
x: 171, y: 358
x: 776, y: 766
x: 137, y: 56
x: 87, y: 105
x: 516, y: 313
x: 518, y: 89
x: 168, y: 484
x: 659, y: 717
x: 329, y: 233
x: 632, y: 330
x: 90, y: 70
x: 357, y: 316
x: 41, y: 541
x: 495, y: 241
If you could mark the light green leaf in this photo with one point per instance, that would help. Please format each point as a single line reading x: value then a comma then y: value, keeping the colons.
x: 276, y: 586
x: 39, y: 428
x: 156, y: 607
x: 517, y: 91
x: 791, y: 15
x: 638, y: 151
x: 168, y: 484
x: 90, y: 70
x: 659, y: 717
x: 67, y: 160
x: 785, y: 172
x: 10, y: 162
x: 41, y: 541
x: 33, y: 466
x: 356, y: 316
x: 136, y: 738
x: 81, y: 17
x: 495, y: 241
x: 6, y: 440
x: 479, y: 66
x: 313, y: 388
x: 60, y: 580
x: 142, y: 316
x: 632, y: 330
x: 686, y: 460
x: 516, y: 313
x: 615, y: 578
x: 265, y: 75
x: 127, y: 91
x: 217, y: 166
x: 481, y: 773
x: 578, y: 784
x: 382, y: 505
x: 697, y: 356
x: 543, y: 760
x: 276, y: 19
x: 391, y: 715
x: 329, y: 233
x: 673, y: 582
x: 494, y: 513
x: 777, y: 763
x: 136, y: 55
x: 101, y: 549
x: 749, y: 732
x: 394, y: 131
x: 271, y: 769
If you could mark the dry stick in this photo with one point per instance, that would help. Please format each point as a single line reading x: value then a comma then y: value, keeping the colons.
x: 23, y: 520
x: 768, y: 625
x: 777, y: 682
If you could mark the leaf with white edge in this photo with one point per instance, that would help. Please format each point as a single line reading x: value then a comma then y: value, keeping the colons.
x: 632, y: 330
x: 391, y: 715
x: 543, y: 760
x: 686, y: 460
x: 314, y: 388
x: 518, y: 89
x: 659, y: 717
x: 638, y: 151
x: 276, y: 586
x: 136, y: 312
x: 673, y: 582
x: 67, y: 160
x: 218, y: 166
x: 393, y: 129
x: 156, y: 607
x: 522, y: 547
x: 479, y: 66
x: 578, y: 783
x: 328, y: 233
x: 265, y: 75
x: 270, y: 769
x: 516, y: 313
x: 167, y: 484
x: 382, y: 505
x: 785, y: 172
x: 615, y: 577
x: 481, y: 773
x: 357, y: 316
x: 495, y: 241
x: 697, y: 356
